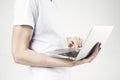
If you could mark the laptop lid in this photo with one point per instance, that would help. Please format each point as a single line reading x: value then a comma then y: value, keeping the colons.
x: 97, y: 34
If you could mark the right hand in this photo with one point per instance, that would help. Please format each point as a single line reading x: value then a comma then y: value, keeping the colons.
x: 75, y: 42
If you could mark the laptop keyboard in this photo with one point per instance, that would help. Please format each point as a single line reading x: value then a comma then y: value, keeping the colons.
x: 70, y: 54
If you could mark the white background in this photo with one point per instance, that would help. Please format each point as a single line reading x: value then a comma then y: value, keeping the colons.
x: 79, y: 17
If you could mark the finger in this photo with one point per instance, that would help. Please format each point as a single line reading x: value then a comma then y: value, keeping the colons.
x: 79, y: 42
x: 96, y: 47
x: 70, y: 43
x: 99, y: 46
x: 76, y: 45
x: 74, y: 42
x: 99, y: 49
x: 94, y: 51
x: 92, y: 56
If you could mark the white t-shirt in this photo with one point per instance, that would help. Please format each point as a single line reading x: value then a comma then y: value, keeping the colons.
x: 44, y: 17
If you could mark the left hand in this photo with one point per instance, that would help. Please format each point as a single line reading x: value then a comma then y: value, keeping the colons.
x: 93, y: 53
x: 74, y: 42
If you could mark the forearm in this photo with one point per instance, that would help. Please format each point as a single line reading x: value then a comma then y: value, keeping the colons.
x: 21, y: 38
x: 32, y: 58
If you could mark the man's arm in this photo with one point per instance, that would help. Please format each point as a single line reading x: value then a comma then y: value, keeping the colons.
x: 23, y: 55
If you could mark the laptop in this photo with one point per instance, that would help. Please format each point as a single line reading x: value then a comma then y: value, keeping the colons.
x: 96, y: 34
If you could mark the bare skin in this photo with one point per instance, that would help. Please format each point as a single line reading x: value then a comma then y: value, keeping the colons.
x: 21, y: 38
x: 75, y: 42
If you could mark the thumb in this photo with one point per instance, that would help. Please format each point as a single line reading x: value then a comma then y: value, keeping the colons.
x: 70, y: 44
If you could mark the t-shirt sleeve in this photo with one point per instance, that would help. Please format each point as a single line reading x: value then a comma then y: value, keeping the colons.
x: 25, y: 13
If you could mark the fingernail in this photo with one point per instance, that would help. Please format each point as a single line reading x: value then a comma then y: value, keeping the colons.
x: 99, y: 44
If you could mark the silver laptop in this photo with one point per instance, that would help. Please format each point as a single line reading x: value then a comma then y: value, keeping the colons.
x: 96, y: 34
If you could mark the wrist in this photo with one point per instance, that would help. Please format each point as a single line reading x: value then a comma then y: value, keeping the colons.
x: 71, y: 63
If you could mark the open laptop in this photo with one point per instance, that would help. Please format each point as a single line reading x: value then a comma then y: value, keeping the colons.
x: 96, y: 34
